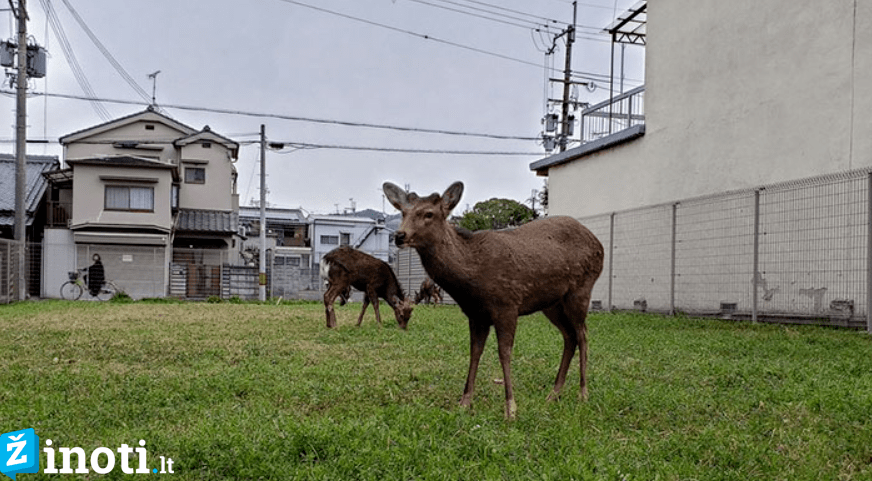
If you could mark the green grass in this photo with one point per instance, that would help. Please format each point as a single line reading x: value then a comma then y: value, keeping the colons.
x: 265, y: 391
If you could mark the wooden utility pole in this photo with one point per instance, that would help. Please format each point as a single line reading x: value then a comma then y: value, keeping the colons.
x: 262, y: 264
x: 567, y: 80
x: 21, y: 152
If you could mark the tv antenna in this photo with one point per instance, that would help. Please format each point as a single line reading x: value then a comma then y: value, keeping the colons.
x: 153, y: 77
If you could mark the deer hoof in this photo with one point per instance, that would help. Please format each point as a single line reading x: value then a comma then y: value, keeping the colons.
x: 511, y: 410
x: 553, y: 397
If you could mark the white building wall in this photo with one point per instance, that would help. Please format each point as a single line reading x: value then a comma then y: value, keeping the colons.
x: 738, y: 94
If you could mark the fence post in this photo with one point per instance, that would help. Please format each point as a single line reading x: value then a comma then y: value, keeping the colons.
x: 672, y: 260
x: 756, y: 267
x: 611, y: 255
x: 869, y: 254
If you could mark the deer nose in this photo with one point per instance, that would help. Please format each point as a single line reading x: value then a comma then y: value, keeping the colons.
x: 400, y: 238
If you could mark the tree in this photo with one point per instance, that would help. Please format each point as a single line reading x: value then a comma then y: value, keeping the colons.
x: 496, y: 214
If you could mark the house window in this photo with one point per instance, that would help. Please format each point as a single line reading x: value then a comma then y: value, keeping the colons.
x: 134, y: 199
x: 287, y: 261
x: 330, y: 239
x: 195, y: 175
x: 345, y: 239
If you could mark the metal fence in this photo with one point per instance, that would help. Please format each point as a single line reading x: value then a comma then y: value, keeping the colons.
x: 613, y: 115
x: 8, y: 270
x: 410, y: 272
x: 795, y: 252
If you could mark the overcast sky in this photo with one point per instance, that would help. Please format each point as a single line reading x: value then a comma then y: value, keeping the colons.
x: 345, y: 61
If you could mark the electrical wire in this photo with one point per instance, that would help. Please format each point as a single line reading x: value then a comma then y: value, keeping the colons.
x: 298, y: 118
x: 416, y: 34
x: 530, y: 22
x: 70, y: 55
x: 303, y: 145
x: 499, y: 7
x: 108, y: 55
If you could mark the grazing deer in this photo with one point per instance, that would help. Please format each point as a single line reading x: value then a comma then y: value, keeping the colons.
x: 429, y: 292
x: 344, y: 268
x: 547, y: 265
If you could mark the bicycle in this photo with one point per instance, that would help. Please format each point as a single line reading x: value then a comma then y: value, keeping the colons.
x: 78, y: 285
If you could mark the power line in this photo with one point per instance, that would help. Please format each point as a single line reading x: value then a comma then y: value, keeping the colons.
x: 297, y: 118
x: 416, y: 34
x: 117, y: 66
x: 75, y: 67
x: 499, y: 7
x: 303, y: 145
x: 491, y: 15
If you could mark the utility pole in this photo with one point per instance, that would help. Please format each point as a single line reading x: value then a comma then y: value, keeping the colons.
x: 262, y: 266
x: 21, y: 151
x: 567, y: 79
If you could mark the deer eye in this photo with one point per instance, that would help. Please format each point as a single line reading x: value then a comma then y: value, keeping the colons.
x: 428, y: 215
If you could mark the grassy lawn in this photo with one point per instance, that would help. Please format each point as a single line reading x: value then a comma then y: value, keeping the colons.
x: 260, y: 391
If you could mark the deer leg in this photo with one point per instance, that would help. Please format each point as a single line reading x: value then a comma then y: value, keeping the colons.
x: 570, y: 342
x: 374, y: 300
x: 477, y: 337
x: 363, y: 311
x: 582, y: 347
x: 575, y: 307
x: 329, y: 299
x: 505, y: 342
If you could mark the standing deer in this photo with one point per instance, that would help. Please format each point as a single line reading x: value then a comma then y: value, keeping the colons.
x: 548, y: 265
x: 344, y: 268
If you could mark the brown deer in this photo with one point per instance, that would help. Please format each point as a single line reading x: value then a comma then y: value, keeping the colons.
x: 547, y: 265
x: 344, y: 268
x: 429, y: 292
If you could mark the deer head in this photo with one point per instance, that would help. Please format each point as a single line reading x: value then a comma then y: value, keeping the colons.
x: 403, y: 311
x: 424, y: 218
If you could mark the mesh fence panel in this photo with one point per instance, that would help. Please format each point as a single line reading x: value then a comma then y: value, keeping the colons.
x: 714, y: 253
x: 798, y: 249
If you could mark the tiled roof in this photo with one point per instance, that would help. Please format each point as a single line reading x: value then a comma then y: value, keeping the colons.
x: 149, y: 114
x: 211, y: 221
x: 35, y: 187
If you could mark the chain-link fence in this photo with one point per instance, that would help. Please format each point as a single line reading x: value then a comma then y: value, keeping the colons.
x: 796, y: 252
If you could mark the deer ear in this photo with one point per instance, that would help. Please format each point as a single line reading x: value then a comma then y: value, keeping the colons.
x: 452, y: 194
x: 396, y: 196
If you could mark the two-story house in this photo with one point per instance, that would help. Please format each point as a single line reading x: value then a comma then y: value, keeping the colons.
x: 154, y: 198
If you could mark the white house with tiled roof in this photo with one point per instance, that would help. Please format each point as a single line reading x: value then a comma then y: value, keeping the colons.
x: 155, y: 198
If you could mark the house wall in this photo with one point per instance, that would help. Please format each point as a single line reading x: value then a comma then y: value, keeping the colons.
x: 101, y: 144
x: 376, y: 244
x: 738, y: 94
x: 211, y: 195
x: 89, y: 197
x: 58, y: 259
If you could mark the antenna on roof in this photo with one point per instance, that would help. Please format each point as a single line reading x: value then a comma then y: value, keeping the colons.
x: 153, y: 77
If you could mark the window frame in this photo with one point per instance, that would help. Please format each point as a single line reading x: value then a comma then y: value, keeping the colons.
x: 192, y: 170
x: 129, y: 189
x: 329, y: 240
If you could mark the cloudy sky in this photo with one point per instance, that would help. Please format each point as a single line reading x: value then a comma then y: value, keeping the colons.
x: 353, y: 88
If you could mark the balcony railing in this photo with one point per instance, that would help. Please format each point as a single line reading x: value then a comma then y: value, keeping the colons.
x: 614, y: 115
x: 58, y: 214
